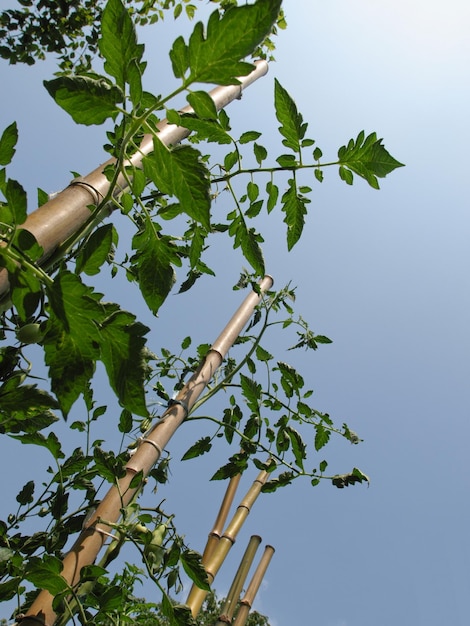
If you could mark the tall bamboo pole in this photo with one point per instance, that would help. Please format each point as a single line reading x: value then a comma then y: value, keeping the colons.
x: 64, y: 215
x: 247, y: 602
x: 196, y: 595
x: 92, y: 538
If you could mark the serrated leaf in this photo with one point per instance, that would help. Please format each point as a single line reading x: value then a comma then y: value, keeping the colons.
x: 203, y: 129
x: 95, y: 251
x: 192, y: 565
x: 322, y: 436
x: 153, y: 264
x: 26, y: 494
x: 15, y: 211
x: 122, y: 342
x: 45, y: 574
x: 25, y: 408
x: 368, y: 158
x: 118, y: 43
x: 249, y: 242
x: 88, y: 100
x: 273, y: 194
x: 201, y: 446
x: 293, y: 205
x: 298, y: 446
x: 9, y: 589
x: 8, y: 142
x: 50, y: 442
x: 251, y: 391
x: 180, y: 172
x: 292, y: 126
x: 215, y: 53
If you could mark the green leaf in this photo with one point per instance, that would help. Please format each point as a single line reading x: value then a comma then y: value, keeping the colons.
x: 249, y: 242
x: 15, y: 212
x: 252, y: 392
x: 292, y: 126
x: 294, y: 208
x: 88, y: 100
x: 192, y: 565
x: 344, y: 480
x: 50, y: 442
x: 181, y: 173
x: 298, y: 446
x: 260, y: 153
x: 118, y: 43
x: 122, y: 352
x: 179, y: 56
x: 45, y: 574
x: 215, y: 53
x: 95, y: 251
x: 322, y: 436
x: 368, y: 158
x: 201, y: 446
x: 204, y: 129
x: 125, y: 421
x: 153, y: 264
x: 26, y: 494
x: 203, y: 105
x: 273, y: 194
x: 249, y: 135
x: 9, y: 589
x: 25, y: 408
x: 8, y: 142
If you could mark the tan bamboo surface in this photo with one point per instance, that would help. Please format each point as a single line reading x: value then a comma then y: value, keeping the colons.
x: 217, y: 530
x: 196, y: 595
x: 252, y: 590
x: 67, y: 212
x: 236, y: 587
x: 91, y: 540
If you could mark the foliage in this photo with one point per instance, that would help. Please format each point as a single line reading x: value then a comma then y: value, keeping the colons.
x: 169, y: 203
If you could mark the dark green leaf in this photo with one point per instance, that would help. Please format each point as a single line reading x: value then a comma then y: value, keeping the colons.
x: 249, y: 135
x: 202, y: 129
x: 50, y: 442
x: 201, y: 446
x: 322, y: 436
x: 125, y: 421
x: 118, y: 43
x: 249, y: 241
x: 15, y: 212
x: 87, y: 100
x: 273, y: 194
x: 45, y: 574
x: 179, y: 56
x: 95, y: 251
x: 292, y: 126
x: 26, y: 494
x: 215, y: 52
x: 181, y: 173
x: 8, y: 142
x: 298, y: 446
x: 194, y: 568
x: 344, y: 480
x: 9, y: 589
x: 153, y: 263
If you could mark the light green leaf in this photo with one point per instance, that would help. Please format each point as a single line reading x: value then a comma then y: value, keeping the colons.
x: 95, y: 251
x: 88, y: 100
x: 203, y: 105
x: 368, y: 158
x: 181, y: 173
x: 179, y: 55
x: 215, y: 53
x: 15, y: 211
x: 8, y: 142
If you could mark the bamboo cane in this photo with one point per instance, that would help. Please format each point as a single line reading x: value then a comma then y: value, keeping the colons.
x: 92, y: 538
x: 64, y: 215
x: 217, y: 530
x: 196, y: 595
x: 247, y: 602
x: 236, y: 587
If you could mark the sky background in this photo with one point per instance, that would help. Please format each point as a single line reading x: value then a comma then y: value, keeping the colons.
x: 382, y: 273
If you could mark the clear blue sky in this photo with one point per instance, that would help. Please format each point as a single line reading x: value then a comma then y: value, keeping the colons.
x: 384, y: 274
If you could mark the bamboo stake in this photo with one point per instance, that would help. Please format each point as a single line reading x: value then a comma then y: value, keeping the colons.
x: 236, y: 587
x: 64, y: 215
x: 217, y: 530
x: 92, y: 538
x: 196, y: 595
x: 247, y: 602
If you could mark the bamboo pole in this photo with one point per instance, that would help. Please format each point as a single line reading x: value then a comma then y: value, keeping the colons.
x: 64, y: 215
x: 93, y: 537
x: 252, y: 590
x: 236, y: 587
x: 217, y: 530
x: 196, y: 595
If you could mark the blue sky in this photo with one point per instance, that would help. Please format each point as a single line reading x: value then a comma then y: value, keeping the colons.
x: 384, y: 274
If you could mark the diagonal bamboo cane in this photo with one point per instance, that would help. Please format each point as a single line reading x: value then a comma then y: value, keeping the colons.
x: 93, y: 537
x: 196, y: 595
x: 247, y: 602
x: 68, y: 212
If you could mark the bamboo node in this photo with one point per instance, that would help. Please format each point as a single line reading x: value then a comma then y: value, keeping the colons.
x: 173, y: 401
x: 81, y: 182
x: 152, y: 443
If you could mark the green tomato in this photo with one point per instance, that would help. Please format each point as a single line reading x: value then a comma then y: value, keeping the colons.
x: 30, y: 333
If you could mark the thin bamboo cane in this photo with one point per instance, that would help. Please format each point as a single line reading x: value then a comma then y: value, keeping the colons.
x: 64, y: 215
x: 252, y: 590
x: 92, y: 538
x: 217, y: 530
x: 196, y: 595
x: 236, y: 587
